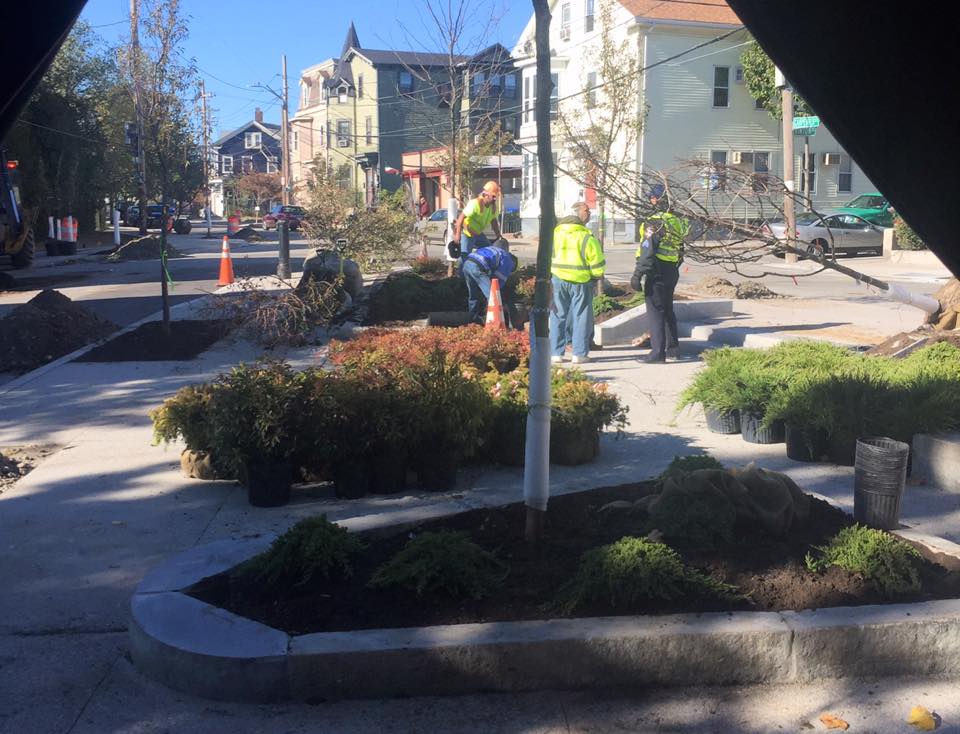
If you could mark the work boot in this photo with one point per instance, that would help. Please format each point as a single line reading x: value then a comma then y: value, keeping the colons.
x: 673, y: 353
x: 653, y: 359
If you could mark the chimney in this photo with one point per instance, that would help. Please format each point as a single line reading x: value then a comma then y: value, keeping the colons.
x: 258, y: 115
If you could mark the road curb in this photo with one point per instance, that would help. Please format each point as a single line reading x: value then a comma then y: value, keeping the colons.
x: 197, y: 648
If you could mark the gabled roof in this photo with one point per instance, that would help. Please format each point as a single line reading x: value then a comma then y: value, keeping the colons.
x: 344, y: 72
x: 688, y: 11
x: 266, y: 127
x: 407, y: 58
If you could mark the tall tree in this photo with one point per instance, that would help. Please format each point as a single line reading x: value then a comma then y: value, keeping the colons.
x: 259, y: 187
x: 758, y: 74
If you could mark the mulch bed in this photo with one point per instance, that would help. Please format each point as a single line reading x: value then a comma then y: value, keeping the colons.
x: 48, y: 326
x: 769, y: 570
x: 408, y: 296
x: 150, y: 343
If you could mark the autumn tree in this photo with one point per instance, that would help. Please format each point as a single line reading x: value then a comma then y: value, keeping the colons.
x: 259, y: 187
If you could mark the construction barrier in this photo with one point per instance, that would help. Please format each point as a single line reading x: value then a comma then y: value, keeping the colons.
x: 68, y: 226
x: 226, y: 264
x: 233, y: 225
x: 51, y: 231
x: 495, y: 307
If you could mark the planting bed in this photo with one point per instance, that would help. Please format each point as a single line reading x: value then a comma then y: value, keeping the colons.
x: 149, y: 342
x: 769, y: 572
x: 409, y: 296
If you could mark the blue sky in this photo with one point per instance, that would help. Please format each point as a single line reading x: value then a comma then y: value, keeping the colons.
x: 238, y: 43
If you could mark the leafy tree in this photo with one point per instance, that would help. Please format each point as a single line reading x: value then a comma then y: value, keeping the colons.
x: 758, y: 73
x: 259, y: 187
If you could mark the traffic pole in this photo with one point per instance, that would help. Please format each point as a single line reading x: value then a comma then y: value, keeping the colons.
x: 283, y: 261
x: 116, y: 228
x: 789, y: 213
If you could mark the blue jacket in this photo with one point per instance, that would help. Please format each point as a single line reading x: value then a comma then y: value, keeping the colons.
x: 493, y: 261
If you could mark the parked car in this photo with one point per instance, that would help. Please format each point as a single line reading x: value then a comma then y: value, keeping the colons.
x: 293, y: 215
x: 435, y: 226
x: 833, y: 232
x: 873, y: 207
x: 154, y: 215
x: 131, y: 215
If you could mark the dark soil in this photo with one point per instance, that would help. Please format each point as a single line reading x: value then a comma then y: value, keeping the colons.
x: 18, y: 461
x: 142, y: 248
x: 925, y: 335
x: 408, y: 296
x: 149, y: 342
x: 18, y: 284
x: 769, y: 571
x: 46, y: 327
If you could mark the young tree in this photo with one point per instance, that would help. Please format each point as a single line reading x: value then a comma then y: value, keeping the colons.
x: 600, y: 128
x: 758, y: 74
x: 259, y: 187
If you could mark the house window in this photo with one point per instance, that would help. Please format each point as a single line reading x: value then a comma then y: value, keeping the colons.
x: 405, y: 82
x: 246, y: 163
x: 811, y: 171
x: 227, y: 163
x: 510, y: 86
x: 509, y: 123
x: 721, y: 86
x: 527, y: 98
x: 495, y: 83
x: 530, y: 176
x: 271, y: 165
x: 761, y: 167
x: 343, y: 133
x: 717, y: 176
x: 252, y: 140
x: 342, y: 95
x: 758, y: 103
x: 477, y: 84
x: 554, y: 95
x: 845, y: 176
x: 360, y: 86
x: 369, y: 126
x: 588, y: 17
x: 565, y: 21
x: 591, y: 89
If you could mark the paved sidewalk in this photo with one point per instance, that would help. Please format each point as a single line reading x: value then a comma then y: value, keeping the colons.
x: 80, y: 531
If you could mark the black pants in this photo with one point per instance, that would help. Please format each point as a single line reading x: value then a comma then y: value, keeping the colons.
x: 658, y: 290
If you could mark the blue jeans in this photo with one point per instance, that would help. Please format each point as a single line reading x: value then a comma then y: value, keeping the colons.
x: 478, y: 290
x: 468, y: 244
x: 571, y: 321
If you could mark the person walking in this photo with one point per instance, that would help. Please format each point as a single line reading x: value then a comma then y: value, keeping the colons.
x: 424, y: 207
x: 477, y: 215
x: 658, y: 267
x: 577, y: 263
x: 479, y: 267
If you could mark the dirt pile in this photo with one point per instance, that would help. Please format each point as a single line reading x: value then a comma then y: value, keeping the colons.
x: 722, y: 288
x: 142, y: 248
x: 46, y: 327
x: 948, y: 317
x: 249, y: 234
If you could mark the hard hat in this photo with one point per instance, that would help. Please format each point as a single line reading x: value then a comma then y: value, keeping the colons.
x: 492, y: 187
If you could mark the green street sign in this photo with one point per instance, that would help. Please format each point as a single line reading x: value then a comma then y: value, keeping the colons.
x: 805, y: 125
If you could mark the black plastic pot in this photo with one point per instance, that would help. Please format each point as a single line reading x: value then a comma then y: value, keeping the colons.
x: 879, y: 476
x: 805, y: 444
x: 268, y: 483
x: 351, y: 480
x: 842, y: 449
x: 570, y: 447
x: 388, y: 472
x: 719, y: 422
x: 53, y: 248
x: 67, y: 248
x: 753, y: 431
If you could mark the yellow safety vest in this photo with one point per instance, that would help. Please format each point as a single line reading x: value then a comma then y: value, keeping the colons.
x: 477, y: 217
x: 675, y: 229
x: 577, y: 255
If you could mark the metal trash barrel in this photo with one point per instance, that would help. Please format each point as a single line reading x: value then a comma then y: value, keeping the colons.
x: 880, y: 472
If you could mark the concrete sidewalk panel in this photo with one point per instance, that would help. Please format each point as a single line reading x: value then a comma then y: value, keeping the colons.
x: 936, y: 460
x: 199, y: 562
x: 603, y: 652
x: 894, y: 639
x: 206, y: 651
x: 629, y: 325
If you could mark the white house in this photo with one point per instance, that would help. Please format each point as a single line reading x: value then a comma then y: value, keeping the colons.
x: 697, y: 104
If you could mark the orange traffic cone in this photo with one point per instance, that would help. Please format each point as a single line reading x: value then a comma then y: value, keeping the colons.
x: 226, y: 264
x: 494, y: 307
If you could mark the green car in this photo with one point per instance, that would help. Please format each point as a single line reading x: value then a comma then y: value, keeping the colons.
x: 873, y: 207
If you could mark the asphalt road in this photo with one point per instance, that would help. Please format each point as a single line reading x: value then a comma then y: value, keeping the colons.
x: 129, y: 291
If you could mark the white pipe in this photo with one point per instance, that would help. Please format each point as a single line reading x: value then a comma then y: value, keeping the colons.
x: 924, y: 303
x: 59, y: 231
x: 536, y: 473
x: 51, y: 231
x: 453, y: 211
x: 116, y: 227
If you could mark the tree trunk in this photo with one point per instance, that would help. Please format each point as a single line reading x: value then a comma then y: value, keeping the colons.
x: 536, y: 473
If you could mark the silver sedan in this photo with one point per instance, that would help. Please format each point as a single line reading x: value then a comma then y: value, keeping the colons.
x: 826, y: 233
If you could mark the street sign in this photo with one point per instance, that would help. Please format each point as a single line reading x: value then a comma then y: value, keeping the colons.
x: 805, y: 125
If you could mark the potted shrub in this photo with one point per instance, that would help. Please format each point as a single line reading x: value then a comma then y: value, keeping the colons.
x: 581, y: 409
x: 186, y: 416
x: 712, y: 388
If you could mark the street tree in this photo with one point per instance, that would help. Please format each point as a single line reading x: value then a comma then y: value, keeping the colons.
x: 259, y: 187
x: 758, y: 75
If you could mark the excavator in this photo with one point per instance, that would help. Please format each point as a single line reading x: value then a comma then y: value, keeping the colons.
x: 16, y: 224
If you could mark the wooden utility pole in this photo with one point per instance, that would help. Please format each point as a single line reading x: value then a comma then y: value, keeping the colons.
x: 135, y: 69
x: 206, y: 155
x: 285, y: 141
x: 789, y: 213
x: 806, y: 173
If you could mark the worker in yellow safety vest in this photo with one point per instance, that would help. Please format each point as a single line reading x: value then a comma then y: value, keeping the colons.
x: 658, y: 267
x: 477, y: 215
x: 577, y: 263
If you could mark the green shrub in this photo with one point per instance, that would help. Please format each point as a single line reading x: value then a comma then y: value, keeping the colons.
x: 444, y: 563
x: 683, y: 464
x: 635, y: 299
x: 185, y: 415
x: 907, y: 239
x: 429, y: 266
x: 889, y: 562
x: 313, y: 548
x: 605, y: 304
x: 634, y: 570
x: 408, y: 296
x: 693, y: 513
x: 727, y: 382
